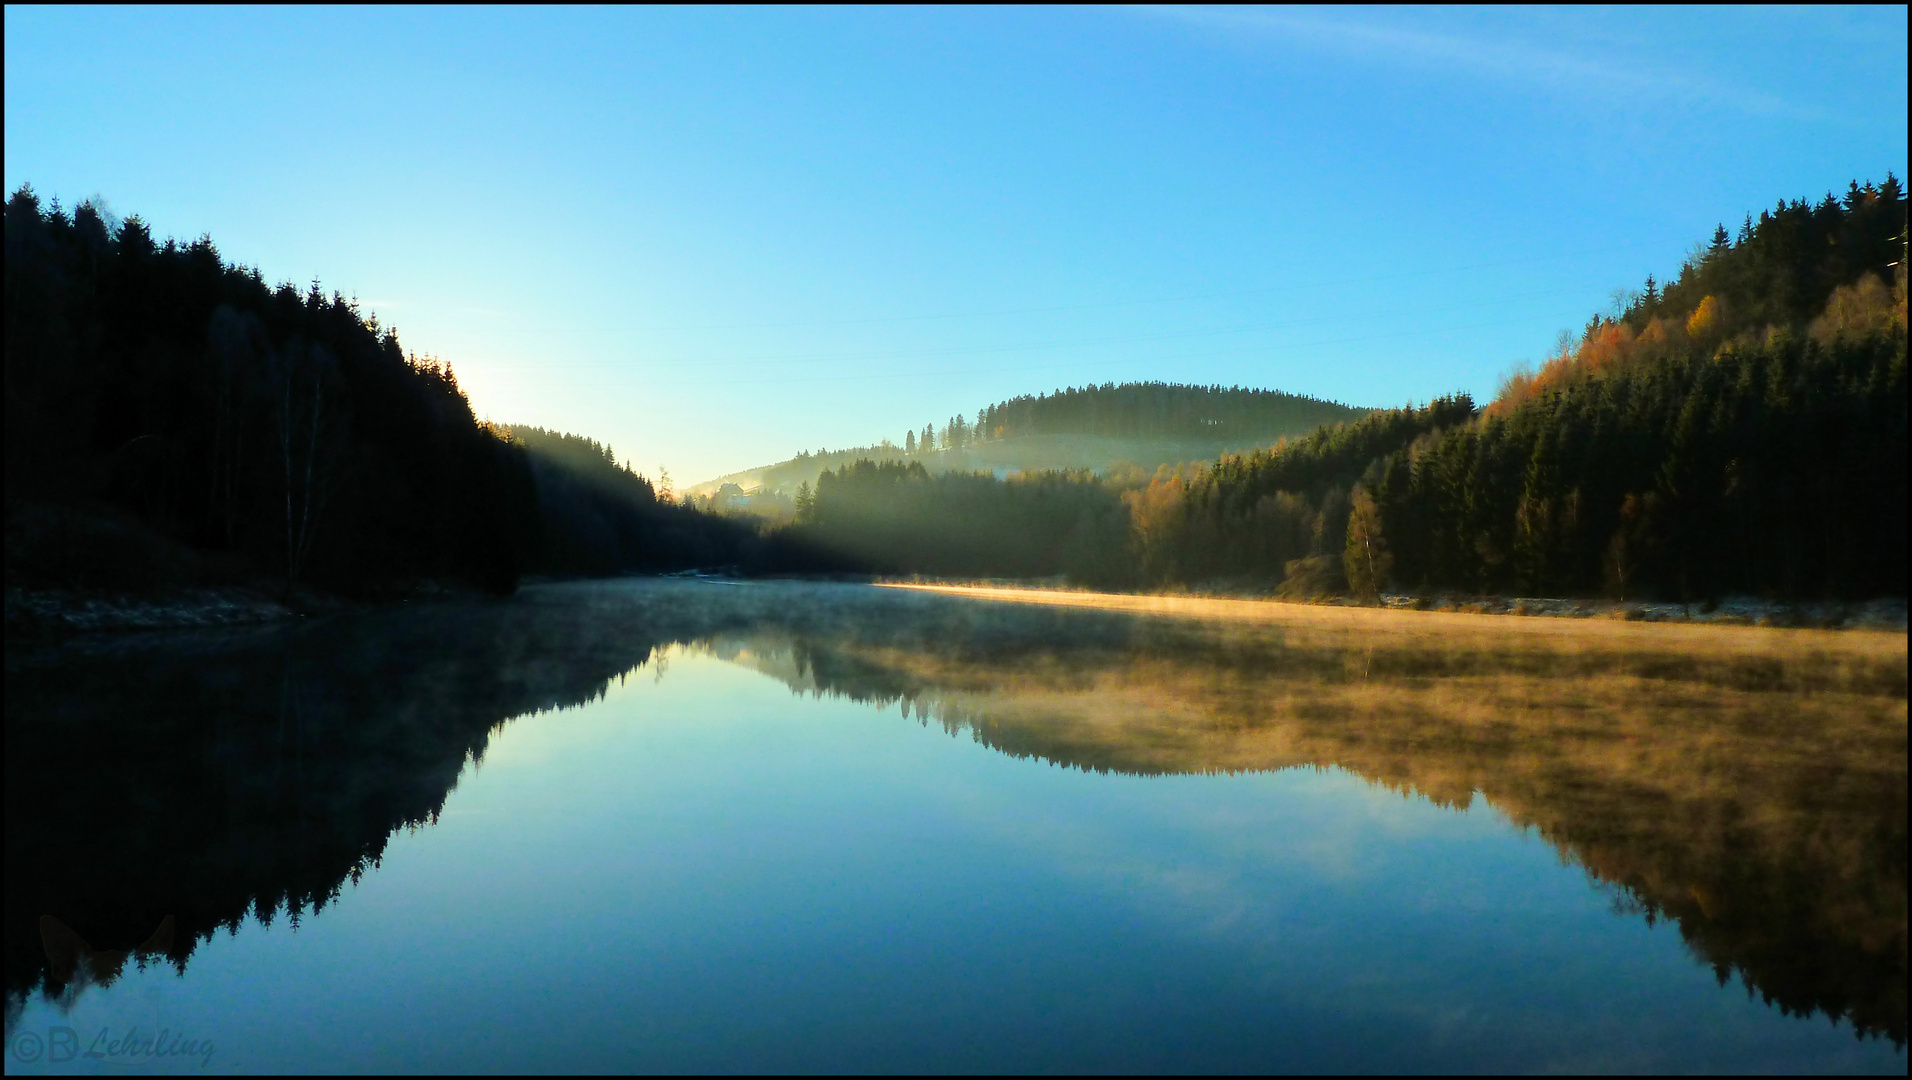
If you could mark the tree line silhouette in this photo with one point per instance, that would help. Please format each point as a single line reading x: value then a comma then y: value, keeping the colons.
x: 1741, y: 430
x: 601, y: 517
x: 171, y: 417
x: 1160, y: 410
x: 1235, y: 415
x: 174, y: 419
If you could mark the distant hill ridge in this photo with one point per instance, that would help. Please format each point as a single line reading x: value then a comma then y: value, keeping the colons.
x: 1164, y: 411
x: 1138, y: 424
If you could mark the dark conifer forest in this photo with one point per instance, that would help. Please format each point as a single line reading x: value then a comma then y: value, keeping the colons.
x: 600, y: 517
x: 1740, y: 430
x: 173, y: 419
x: 159, y: 397
x: 896, y: 517
x: 1231, y: 414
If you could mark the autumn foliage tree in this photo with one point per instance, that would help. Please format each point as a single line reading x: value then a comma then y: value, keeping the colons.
x: 1739, y: 429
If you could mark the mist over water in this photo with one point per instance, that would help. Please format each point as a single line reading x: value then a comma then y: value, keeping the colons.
x: 684, y: 825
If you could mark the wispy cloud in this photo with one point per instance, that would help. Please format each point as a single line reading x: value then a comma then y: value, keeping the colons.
x: 1582, y: 71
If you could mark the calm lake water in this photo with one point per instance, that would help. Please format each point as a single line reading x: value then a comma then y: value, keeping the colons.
x: 681, y: 825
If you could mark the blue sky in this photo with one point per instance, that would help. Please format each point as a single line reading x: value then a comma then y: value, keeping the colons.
x: 715, y: 237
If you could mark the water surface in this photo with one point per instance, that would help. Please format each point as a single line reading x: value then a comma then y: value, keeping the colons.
x: 686, y: 826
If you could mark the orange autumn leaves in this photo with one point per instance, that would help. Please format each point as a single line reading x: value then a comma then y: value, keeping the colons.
x: 1864, y: 309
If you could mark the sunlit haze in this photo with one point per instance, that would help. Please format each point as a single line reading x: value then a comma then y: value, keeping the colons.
x: 712, y: 238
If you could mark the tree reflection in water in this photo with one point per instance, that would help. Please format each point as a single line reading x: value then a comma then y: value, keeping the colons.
x: 1748, y: 784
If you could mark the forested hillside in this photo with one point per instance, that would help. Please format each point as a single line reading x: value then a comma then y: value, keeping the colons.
x: 172, y: 419
x: 1740, y: 430
x: 1281, y: 514
x: 1743, y: 430
x: 897, y: 517
x: 599, y: 516
x: 1102, y: 429
x: 172, y: 416
x: 1154, y: 410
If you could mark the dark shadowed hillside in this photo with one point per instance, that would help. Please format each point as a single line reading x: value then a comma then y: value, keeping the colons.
x: 600, y: 517
x: 173, y: 418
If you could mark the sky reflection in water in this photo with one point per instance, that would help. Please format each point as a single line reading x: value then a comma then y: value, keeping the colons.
x: 1152, y: 844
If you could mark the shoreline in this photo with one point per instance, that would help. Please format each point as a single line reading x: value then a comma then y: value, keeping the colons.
x: 49, y: 612
x: 40, y: 613
x: 1885, y: 615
